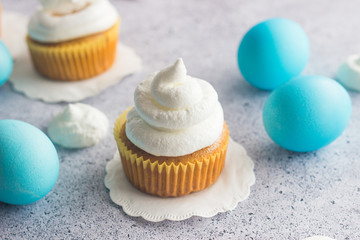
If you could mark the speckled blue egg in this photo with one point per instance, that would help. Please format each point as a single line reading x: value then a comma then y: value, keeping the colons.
x: 29, y: 164
x: 6, y: 63
x: 273, y: 52
x: 307, y: 113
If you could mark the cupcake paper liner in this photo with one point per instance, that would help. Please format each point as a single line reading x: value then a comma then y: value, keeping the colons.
x: 76, y: 59
x: 168, y: 180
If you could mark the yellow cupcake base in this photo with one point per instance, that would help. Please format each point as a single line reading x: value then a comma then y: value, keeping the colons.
x: 168, y: 179
x: 77, y: 59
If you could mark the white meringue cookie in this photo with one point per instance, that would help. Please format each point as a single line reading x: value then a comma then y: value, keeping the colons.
x: 93, y: 17
x: 349, y: 73
x: 174, y: 114
x: 78, y: 125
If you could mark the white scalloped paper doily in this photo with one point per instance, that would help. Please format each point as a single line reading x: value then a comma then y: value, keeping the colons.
x: 232, y: 187
x: 27, y: 81
x: 319, y: 238
x: 14, y: 30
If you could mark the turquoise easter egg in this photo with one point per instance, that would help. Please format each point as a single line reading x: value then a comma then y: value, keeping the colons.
x: 307, y: 113
x: 29, y: 164
x: 273, y: 52
x: 6, y: 63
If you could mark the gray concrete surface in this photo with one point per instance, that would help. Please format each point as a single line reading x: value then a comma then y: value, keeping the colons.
x: 295, y: 195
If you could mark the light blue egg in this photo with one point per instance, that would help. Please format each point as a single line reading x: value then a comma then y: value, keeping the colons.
x: 273, y: 52
x: 307, y: 113
x: 29, y: 164
x: 6, y: 63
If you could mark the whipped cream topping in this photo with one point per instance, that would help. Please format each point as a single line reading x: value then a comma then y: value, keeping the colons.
x: 78, y: 125
x: 174, y: 114
x: 62, y: 20
x: 349, y: 73
x: 63, y: 6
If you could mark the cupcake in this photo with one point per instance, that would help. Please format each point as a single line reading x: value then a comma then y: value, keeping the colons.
x: 73, y: 40
x: 174, y: 141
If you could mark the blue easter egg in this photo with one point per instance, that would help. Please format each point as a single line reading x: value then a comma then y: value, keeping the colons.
x: 307, y: 113
x: 273, y: 52
x: 6, y: 63
x: 29, y: 164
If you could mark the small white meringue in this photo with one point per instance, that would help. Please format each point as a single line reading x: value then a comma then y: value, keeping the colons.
x: 349, y: 73
x: 78, y: 126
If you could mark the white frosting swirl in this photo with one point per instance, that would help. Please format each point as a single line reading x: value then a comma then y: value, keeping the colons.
x: 174, y: 114
x: 81, y: 18
x: 173, y: 89
x: 63, y: 6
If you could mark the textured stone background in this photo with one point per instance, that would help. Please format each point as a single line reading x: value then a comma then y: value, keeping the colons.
x: 295, y: 195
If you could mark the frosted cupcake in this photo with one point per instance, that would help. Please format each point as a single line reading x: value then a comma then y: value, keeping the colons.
x: 174, y: 141
x: 72, y: 40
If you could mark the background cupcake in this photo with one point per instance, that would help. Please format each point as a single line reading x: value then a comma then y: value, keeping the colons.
x: 174, y: 141
x: 73, y: 40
